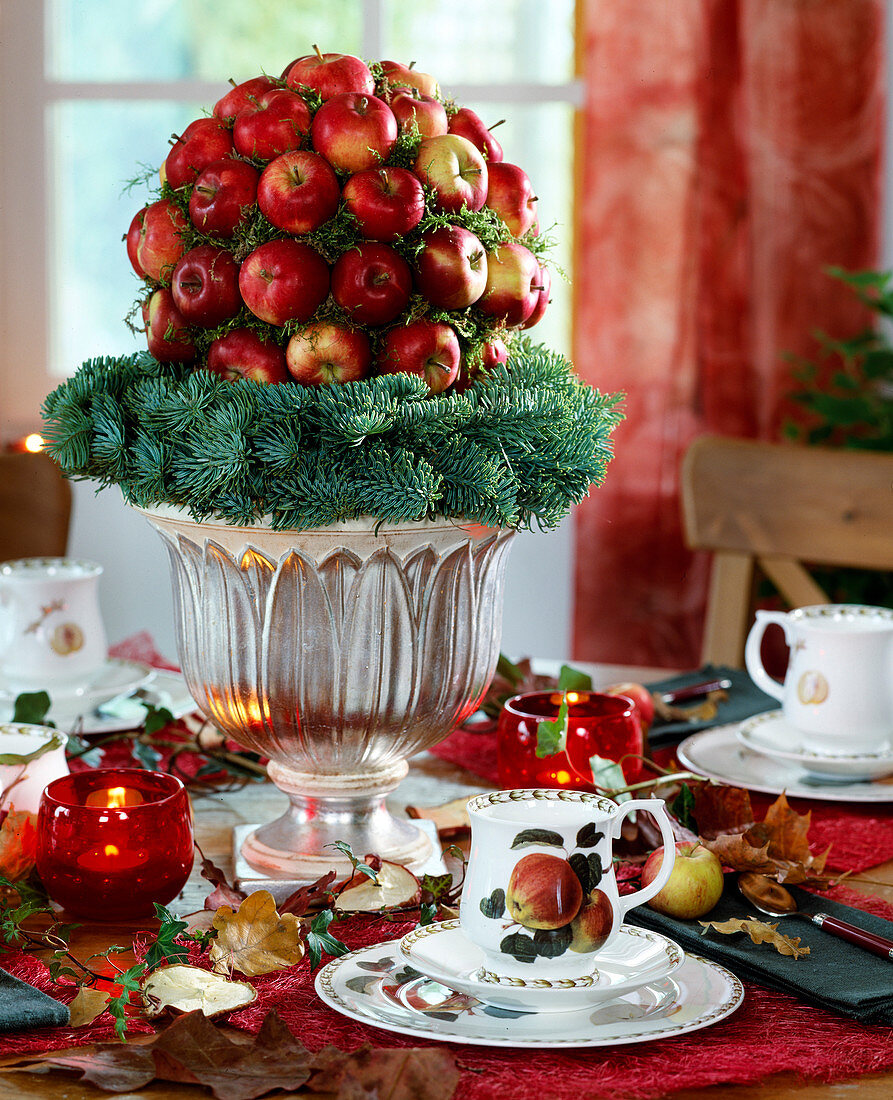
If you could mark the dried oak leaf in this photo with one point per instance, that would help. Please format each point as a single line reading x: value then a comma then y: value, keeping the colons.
x: 450, y: 819
x: 255, y: 939
x: 759, y: 932
x: 193, y: 1051
x: 18, y: 845
x: 409, y: 1074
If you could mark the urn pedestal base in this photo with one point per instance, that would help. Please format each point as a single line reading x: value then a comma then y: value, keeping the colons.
x: 326, y: 809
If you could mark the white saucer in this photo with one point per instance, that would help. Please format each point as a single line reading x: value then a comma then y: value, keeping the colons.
x: 116, y: 677
x: 376, y: 987
x: 120, y: 712
x: 443, y: 952
x: 772, y: 735
x: 717, y: 754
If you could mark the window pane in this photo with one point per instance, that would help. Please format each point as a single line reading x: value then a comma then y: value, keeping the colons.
x: 93, y: 284
x: 192, y: 39
x: 471, y: 41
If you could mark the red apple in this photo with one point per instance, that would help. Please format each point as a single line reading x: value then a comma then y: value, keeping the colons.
x: 543, y: 299
x: 641, y: 696
x: 387, y: 202
x: 298, y: 191
x: 451, y: 269
x: 412, y: 109
x: 244, y: 354
x: 406, y: 76
x: 167, y: 335
x: 160, y: 245
x: 284, y: 281
x: 201, y: 143
x: 205, y: 286
x: 222, y: 195
x: 325, y: 352
x: 354, y: 131
x: 275, y: 123
x: 469, y: 125
x: 372, y: 283
x: 593, y: 924
x: 513, y: 285
x: 510, y: 194
x: 331, y: 74
x: 242, y: 96
x: 429, y: 349
x: 455, y: 170
x: 132, y: 238
x: 543, y: 892
x: 695, y: 884
x: 493, y: 353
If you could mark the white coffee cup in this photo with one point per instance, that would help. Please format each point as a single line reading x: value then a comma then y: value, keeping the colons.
x: 30, y: 757
x: 838, y: 688
x: 540, y: 896
x: 51, y: 630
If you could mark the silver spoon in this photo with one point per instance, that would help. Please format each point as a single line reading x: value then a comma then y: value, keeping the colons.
x: 771, y: 898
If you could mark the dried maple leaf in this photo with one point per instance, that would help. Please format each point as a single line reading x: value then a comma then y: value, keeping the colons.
x: 18, y: 845
x: 759, y: 932
x: 88, y: 1003
x: 427, y: 1074
x: 255, y: 939
x: 192, y: 1050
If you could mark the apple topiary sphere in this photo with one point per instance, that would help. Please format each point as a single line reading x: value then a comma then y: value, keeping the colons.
x: 342, y: 221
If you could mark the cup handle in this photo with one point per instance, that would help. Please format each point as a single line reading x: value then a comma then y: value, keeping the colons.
x: 753, y: 659
x: 657, y: 807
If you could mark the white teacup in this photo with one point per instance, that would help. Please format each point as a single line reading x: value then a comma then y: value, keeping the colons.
x: 30, y: 757
x: 540, y: 896
x: 838, y: 688
x: 51, y: 631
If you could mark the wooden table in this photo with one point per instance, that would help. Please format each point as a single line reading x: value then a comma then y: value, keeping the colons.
x: 431, y: 781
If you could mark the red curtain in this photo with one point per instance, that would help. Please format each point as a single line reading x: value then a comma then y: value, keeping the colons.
x: 730, y: 152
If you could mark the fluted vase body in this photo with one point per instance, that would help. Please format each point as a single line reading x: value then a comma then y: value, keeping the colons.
x: 338, y: 653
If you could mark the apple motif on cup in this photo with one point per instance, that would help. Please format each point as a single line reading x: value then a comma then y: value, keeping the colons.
x: 66, y: 638
x: 554, y: 897
x: 812, y: 688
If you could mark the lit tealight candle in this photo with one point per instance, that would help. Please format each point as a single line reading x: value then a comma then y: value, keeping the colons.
x: 114, y: 798
x: 109, y: 858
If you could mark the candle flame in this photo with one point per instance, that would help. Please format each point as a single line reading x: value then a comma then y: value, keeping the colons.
x: 112, y: 850
x: 116, y: 799
x: 573, y: 697
x: 33, y: 443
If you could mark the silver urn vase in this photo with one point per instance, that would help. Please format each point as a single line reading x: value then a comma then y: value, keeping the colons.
x: 338, y: 653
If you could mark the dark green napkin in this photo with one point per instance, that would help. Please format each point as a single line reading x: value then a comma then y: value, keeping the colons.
x: 745, y: 700
x: 23, y: 1007
x: 835, y: 975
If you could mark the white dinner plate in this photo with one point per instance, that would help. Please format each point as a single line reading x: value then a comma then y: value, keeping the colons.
x: 771, y: 735
x: 638, y: 957
x: 116, y: 677
x: 122, y: 712
x: 717, y: 754
x: 375, y: 986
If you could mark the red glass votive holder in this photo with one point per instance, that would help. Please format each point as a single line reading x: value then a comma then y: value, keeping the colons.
x: 606, y: 726
x: 112, y: 841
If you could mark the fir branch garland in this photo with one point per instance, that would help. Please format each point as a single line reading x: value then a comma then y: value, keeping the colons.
x: 517, y: 448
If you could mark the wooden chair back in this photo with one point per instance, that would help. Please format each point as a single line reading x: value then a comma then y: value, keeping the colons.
x: 768, y: 508
x: 35, y: 507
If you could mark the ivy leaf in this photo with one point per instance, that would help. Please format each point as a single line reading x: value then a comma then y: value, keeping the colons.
x: 608, y: 775
x: 427, y: 913
x: 551, y: 734
x: 359, y: 867
x: 682, y: 808
x: 164, y: 948
x: 538, y: 836
x: 31, y: 708
x: 145, y: 754
x: 319, y: 939
x: 438, y: 886
x: 130, y: 982
x: 157, y: 718
x: 572, y: 679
